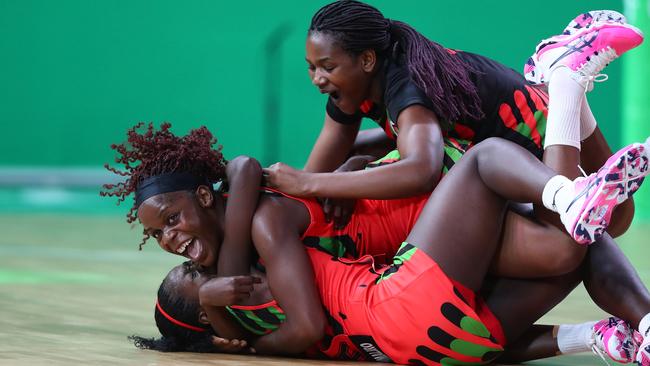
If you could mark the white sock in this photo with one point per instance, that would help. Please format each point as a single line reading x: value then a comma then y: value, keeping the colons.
x: 565, y: 101
x: 551, y: 190
x: 587, y: 120
x: 574, y: 338
x: 644, y: 326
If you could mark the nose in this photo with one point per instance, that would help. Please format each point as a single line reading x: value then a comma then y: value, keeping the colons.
x: 167, y: 240
x: 318, y: 79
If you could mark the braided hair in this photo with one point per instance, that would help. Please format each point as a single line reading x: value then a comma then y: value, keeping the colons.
x: 176, y: 338
x: 445, y: 79
x: 149, y: 152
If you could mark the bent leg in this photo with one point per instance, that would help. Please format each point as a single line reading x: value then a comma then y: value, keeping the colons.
x: 609, y: 278
x: 534, y: 249
x: 613, y: 283
x: 463, y: 236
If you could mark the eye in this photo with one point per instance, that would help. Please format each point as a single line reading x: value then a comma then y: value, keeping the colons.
x: 329, y: 68
x: 194, y: 274
x: 172, y: 219
x: 156, y: 234
x: 311, y: 67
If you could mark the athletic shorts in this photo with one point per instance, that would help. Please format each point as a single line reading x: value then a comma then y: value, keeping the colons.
x: 408, y: 313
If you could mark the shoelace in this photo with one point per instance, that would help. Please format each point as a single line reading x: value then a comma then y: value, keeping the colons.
x: 596, y: 350
x: 630, y: 348
x: 584, y: 174
x: 595, y: 64
x: 599, y: 352
x: 591, y: 79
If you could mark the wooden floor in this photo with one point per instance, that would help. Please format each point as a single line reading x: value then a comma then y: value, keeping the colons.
x: 72, y: 288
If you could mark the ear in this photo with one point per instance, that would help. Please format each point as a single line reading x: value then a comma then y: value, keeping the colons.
x: 205, y: 196
x: 203, y: 317
x: 368, y: 60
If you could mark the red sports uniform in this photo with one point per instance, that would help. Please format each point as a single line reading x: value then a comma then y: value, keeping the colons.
x: 409, y: 312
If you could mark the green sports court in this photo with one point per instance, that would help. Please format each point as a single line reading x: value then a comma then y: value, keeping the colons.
x: 76, y: 74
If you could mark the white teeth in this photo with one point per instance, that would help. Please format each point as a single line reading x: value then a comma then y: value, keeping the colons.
x: 183, y: 246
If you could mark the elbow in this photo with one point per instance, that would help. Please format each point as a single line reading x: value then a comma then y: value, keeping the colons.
x: 316, y: 330
x: 308, y: 334
x: 427, y: 178
x: 312, y: 333
x: 245, y: 164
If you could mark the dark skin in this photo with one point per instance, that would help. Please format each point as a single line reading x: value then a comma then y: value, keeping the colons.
x: 279, y: 223
x: 486, y: 185
x: 350, y: 79
x: 171, y: 220
x: 353, y: 79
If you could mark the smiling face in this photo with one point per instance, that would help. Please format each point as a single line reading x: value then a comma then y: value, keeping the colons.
x: 185, y: 223
x: 346, y: 78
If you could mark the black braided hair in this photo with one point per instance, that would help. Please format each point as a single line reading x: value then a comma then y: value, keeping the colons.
x: 444, y: 78
x: 174, y: 337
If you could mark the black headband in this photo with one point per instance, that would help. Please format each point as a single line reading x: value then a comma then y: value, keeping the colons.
x: 168, y: 182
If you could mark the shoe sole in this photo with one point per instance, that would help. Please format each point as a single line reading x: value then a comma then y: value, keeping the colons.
x: 545, y: 46
x: 620, y: 177
x: 581, y: 33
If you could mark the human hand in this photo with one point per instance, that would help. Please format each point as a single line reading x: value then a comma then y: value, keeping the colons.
x: 357, y: 162
x: 286, y: 179
x: 224, y: 345
x: 338, y: 210
x: 225, y: 291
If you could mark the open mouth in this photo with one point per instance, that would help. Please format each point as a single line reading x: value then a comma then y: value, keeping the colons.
x: 194, y: 251
x: 190, y: 249
x: 181, y: 249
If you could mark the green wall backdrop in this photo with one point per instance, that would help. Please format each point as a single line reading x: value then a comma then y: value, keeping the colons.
x: 75, y: 74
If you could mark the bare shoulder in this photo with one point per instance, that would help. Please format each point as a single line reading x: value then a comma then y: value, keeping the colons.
x: 278, y: 218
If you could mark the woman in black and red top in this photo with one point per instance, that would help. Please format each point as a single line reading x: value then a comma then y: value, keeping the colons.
x: 432, y: 103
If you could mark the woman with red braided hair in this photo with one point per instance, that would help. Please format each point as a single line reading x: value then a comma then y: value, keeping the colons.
x: 430, y: 290
x: 433, y: 103
x: 151, y: 157
x: 170, y: 167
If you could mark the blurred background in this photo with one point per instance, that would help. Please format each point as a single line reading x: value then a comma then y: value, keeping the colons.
x: 75, y: 74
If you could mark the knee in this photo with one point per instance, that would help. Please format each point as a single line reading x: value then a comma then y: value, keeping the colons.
x: 487, y: 149
x: 566, y: 260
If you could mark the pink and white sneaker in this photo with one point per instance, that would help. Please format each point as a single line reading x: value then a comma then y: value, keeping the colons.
x: 643, y: 355
x: 614, y: 338
x: 592, y: 20
x: 582, y: 24
x: 588, y: 214
x: 585, y: 52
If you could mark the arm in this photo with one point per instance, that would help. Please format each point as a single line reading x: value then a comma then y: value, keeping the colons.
x: 340, y: 210
x: 332, y: 146
x: 244, y: 178
x: 219, y: 292
x: 420, y: 145
x: 372, y: 142
x: 291, y: 279
x: 224, y: 325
